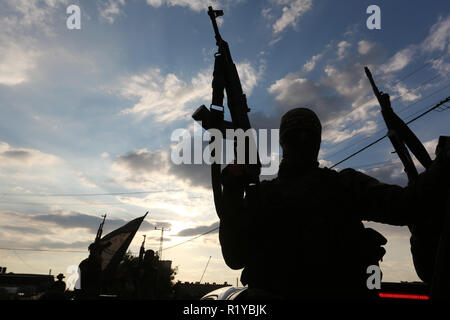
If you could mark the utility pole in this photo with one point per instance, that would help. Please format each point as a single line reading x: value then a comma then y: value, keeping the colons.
x: 205, y: 269
x: 161, y: 240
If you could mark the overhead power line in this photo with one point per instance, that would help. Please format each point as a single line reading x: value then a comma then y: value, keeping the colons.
x: 85, y: 194
x: 378, y: 140
x: 429, y: 110
x: 396, y: 82
x: 77, y: 251
x: 379, y: 131
x: 373, y: 98
x: 23, y: 261
x: 378, y: 121
x: 196, y: 237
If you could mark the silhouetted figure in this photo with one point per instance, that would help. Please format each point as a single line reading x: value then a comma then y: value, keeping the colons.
x: 91, y: 272
x: 56, y: 291
x: 60, y: 285
x: 139, y: 270
x: 301, y: 234
x: 148, y: 276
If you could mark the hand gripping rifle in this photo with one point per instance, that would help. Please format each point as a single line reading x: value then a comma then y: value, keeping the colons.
x: 226, y: 77
x: 401, y: 137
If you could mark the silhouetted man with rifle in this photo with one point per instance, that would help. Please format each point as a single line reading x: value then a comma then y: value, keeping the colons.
x: 91, y: 268
x: 310, y: 218
x: 148, y: 276
x: 301, y: 234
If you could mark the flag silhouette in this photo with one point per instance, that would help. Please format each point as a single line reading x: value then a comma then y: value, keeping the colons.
x: 117, y: 243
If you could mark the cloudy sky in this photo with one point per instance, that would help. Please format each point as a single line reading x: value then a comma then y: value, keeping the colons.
x: 87, y: 115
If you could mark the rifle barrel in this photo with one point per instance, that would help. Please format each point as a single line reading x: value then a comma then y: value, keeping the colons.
x: 212, y: 15
x: 372, y: 83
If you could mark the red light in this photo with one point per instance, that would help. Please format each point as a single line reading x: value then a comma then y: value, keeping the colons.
x: 403, y: 296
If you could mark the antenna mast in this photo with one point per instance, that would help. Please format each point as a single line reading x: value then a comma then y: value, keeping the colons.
x: 161, y: 241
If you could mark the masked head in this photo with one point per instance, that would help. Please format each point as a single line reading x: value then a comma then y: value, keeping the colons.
x: 300, y: 135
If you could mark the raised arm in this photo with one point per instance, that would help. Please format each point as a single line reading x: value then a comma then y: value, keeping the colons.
x: 395, y: 205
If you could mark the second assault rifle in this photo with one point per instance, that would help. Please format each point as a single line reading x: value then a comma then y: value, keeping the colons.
x: 429, y: 255
x: 226, y: 79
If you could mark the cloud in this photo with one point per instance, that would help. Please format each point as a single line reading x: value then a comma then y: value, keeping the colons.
x: 196, y: 5
x: 16, y: 62
x: 439, y: 35
x: 342, y: 49
x: 291, y: 13
x: 142, y: 161
x: 79, y: 220
x: 348, y: 81
x: 399, y: 61
x: 437, y: 39
x: 311, y: 64
x: 25, y: 26
x: 147, y: 166
x: 406, y: 94
x: 69, y: 220
x: 141, y: 169
x: 291, y: 91
x: 167, y: 98
x: 22, y: 157
x: 85, y: 181
x: 44, y: 243
x: 267, y: 13
x: 111, y: 9
x: 31, y: 15
x: 441, y: 66
x: 198, y: 230
x: 365, y: 47
x: 51, y: 244
x: 430, y: 146
x: 342, y: 88
x: 249, y: 75
x: 336, y: 135
x: 26, y: 230
x: 194, y: 174
x: 390, y: 173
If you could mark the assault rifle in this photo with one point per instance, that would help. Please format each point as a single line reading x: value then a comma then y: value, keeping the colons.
x: 400, y: 134
x: 100, y: 229
x: 401, y: 137
x: 226, y: 79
